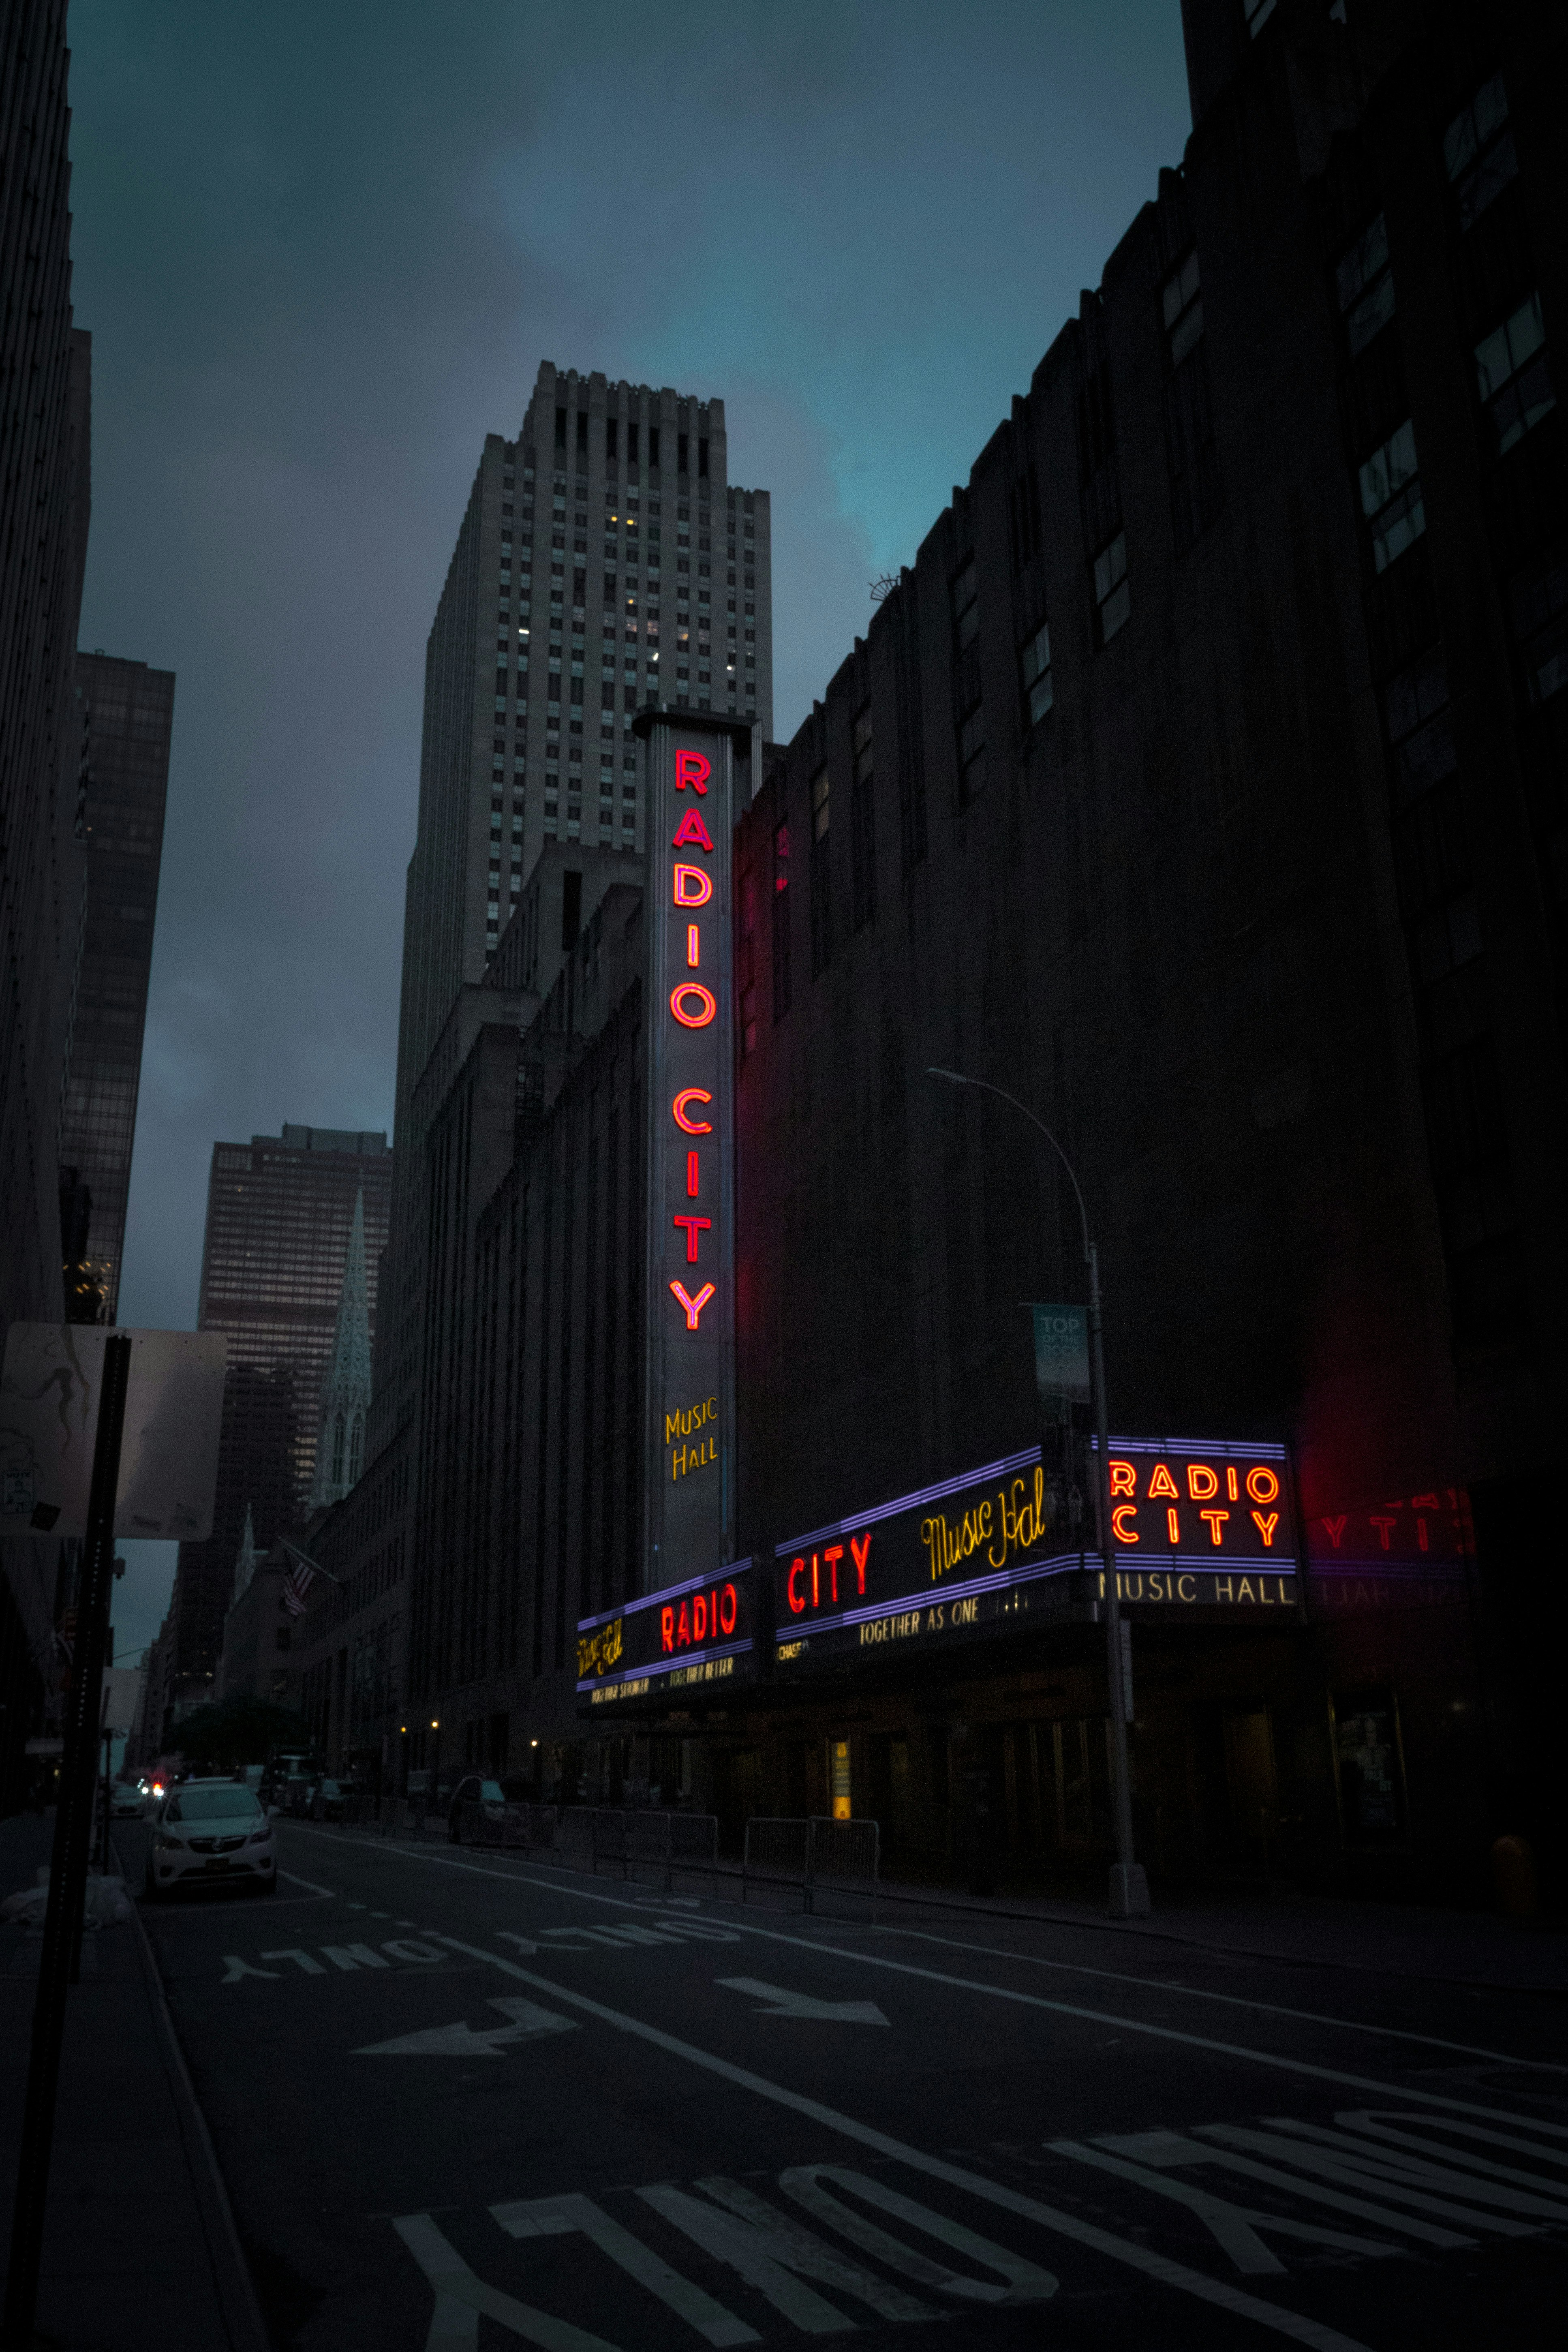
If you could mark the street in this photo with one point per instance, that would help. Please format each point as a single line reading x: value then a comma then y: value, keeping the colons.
x: 461, y: 2101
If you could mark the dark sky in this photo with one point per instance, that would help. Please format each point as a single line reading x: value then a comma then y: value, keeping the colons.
x: 322, y: 249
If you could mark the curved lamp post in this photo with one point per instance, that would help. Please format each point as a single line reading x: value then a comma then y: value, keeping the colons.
x: 1129, y: 1884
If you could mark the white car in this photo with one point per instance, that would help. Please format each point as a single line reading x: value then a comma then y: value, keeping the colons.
x: 206, y: 1830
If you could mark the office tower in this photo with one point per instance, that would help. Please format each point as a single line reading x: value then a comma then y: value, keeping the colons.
x: 45, y: 368
x: 283, y: 1212
x: 127, y: 713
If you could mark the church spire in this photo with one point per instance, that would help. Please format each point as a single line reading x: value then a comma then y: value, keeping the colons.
x: 346, y: 1392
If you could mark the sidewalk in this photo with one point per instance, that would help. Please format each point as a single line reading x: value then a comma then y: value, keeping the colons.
x: 140, y: 2253
x: 1458, y: 1948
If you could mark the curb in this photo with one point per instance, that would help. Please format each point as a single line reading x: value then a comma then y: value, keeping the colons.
x: 246, y: 2328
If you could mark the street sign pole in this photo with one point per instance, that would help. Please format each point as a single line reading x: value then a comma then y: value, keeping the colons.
x: 68, y: 1874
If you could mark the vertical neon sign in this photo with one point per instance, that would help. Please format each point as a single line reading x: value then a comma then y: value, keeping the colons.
x: 690, y: 1469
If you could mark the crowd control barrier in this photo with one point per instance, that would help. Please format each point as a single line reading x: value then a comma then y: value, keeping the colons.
x: 813, y: 1857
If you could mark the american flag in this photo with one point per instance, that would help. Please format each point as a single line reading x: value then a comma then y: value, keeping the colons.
x: 300, y: 1578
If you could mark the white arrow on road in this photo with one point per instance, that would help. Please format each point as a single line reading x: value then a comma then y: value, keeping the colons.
x: 783, y: 2003
x: 460, y: 2040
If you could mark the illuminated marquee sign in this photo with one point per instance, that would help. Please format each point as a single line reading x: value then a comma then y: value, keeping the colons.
x: 689, y: 1486
x: 696, y: 1634
x: 1204, y: 1526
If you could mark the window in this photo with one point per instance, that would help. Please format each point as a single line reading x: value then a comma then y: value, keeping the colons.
x: 1035, y: 673
x: 1514, y: 380
x: 971, y: 754
x: 1183, y: 309
x: 1538, y: 609
x: 781, y: 922
x: 1364, y: 284
x: 965, y: 612
x: 1113, y: 595
x: 1478, y: 149
x: 1391, y: 497
x: 821, y: 873
x: 862, y: 824
x: 1257, y: 13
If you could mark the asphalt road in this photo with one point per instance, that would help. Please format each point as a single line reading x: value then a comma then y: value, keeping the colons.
x: 462, y: 2102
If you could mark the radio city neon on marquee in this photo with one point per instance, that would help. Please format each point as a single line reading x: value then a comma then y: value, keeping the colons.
x: 694, y: 1005
x: 1148, y: 1505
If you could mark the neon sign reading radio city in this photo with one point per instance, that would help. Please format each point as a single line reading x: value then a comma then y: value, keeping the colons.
x: 694, y: 1005
x: 1246, y: 1497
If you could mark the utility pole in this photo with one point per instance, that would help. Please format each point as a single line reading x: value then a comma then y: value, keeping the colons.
x: 1129, y: 1895
x: 73, y: 1835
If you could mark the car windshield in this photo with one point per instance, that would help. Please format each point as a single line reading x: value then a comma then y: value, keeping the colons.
x: 212, y: 1804
x: 489, y: 1793
x: 331, y: 1789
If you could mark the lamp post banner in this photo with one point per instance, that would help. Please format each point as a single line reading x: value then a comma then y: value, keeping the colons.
x: 690, y: 1474
x: 1061, y: 1354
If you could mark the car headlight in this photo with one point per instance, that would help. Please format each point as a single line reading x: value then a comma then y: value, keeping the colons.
x: 262, y: 1830
x: 163, y: 1843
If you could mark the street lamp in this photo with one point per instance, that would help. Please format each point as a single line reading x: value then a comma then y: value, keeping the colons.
x: 1129, y: 1884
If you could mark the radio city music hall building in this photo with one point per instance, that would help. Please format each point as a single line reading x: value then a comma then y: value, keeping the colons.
x: 1200, y: 785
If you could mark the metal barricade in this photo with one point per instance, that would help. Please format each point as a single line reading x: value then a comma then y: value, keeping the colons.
x: 813, y: 1857
x: 774, y: 1856
x: 842, y: 1858
x: 574, y: 1835
x: 693, y: 1845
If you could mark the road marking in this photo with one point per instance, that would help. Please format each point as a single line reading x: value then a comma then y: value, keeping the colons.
x: 1236, y: 2227
x: 781, y: 2004
x: 554, y: 1883
x: 404, y: 1947
x: 776, y: 2256
x: 549, y: 2217
x: 1126, y: 2251
x: 307, y: 1965
x: 1387, y: 2165
x: 1168, y: 2148
x: 527, y: 2022
x: 236, y: 1967
x: 309, y: 1884
x: 355, y: 1956
x: 460, y: 2297
x: 1232, y: 2000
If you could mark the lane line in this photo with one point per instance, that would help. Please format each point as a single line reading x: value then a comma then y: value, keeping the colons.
x: 1383, y: 2088
x: 295, y: 1879
x: 1086, y: 2233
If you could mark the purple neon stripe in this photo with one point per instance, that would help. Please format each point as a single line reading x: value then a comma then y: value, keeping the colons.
x: 666, y: 1665
x: 1265, y: 1453
x: 653, y: 1599
x: 1024, y: 1461
x: 1060, y: 1564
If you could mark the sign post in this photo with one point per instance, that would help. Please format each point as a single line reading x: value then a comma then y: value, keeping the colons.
x: 690, y: 1460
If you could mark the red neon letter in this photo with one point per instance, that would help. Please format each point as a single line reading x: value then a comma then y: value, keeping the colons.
x: 1174, y: 1523
x: 859, y: 1548
x: 692, y: 830
x: 1162, y: 1482
x: 1217, y: 1521
x: 1266, y: 1523
x: 683, y: 1630
x: 833, y: 1555
x: 692, y: 1175
x: 796, y: 1600
x: 667, y: 1628
x: 691, y: 768
x: 1379, y: 1521
x: 1336, y: 1528
x: 1123, y: 1479
x: 815, y: 1589
x: 677, y: 1108
x: 692, y: 887
x: 1203, y: 1485
x: 1125, y: 1535
x: 694, y: 1225
x: 707, y: 1004
x: 699, y: 1618
x: 726, y: 1605
x: 693, y: 946
x: 1262, y: 1486
x: 693, y: 1305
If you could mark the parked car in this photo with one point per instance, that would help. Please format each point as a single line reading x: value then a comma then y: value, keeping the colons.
x: 327, y: 1801
x: 126, y: 1802
x: 209, y: 1832
x: 297, y: 1794
x: 475, y: 1791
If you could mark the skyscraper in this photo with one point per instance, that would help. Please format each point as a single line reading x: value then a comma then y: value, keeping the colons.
x: 345, y: 1392
x: 127, y: 713
x: 283, y: 1214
